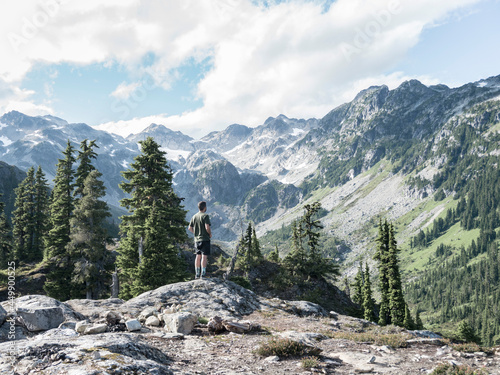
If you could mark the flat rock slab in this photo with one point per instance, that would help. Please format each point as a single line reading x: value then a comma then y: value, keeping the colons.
x: 35, y: 301
x: 41, y: 319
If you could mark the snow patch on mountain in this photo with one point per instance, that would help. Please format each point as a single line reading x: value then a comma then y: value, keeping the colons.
x: 6, y: 141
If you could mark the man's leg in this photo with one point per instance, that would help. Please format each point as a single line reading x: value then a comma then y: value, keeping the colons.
x: 204, y: 262
x: 197, y: 265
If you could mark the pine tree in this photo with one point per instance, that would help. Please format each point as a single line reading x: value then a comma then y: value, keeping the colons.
x: 274, y: 256
x: 358, y: 285
x: 87, y: 244
x: 149, y: 185
x: 160, y: 264
x: 85, y: 157
x: 5, y: 238
x: 396, y: 300
x: 381, y: 256
x: 418, y: 321
x: 408, y: 320
x: 58, y: 283
x: 295, y: 261
x: 24, y: 219
x: 368, y: 303
x: 41, y: 213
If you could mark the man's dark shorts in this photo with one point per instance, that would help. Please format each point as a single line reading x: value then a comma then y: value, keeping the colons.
x: 202, y: 247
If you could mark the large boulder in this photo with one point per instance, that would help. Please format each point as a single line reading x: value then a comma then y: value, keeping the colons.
x: 202, y: 297
x: 41, y: 319
x: 33, y: 301
x: 59, y: 353
x: 182, y: 322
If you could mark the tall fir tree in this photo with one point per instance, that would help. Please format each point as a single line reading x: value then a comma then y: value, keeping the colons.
x: 87, y: 246
x: 85, y: 156
x: 392, y: 305
x: 397, y: 305
x: 5, y: 238
x: 274, y: 256
x: 357, y: 286
x: 368, y: 302
x: 160, y: 263
x: 149, y: 185
x: 27, y: 244
x: 58, y: 284
x: 295, y: 261
x: 41, y: 213
x: 381, y: 255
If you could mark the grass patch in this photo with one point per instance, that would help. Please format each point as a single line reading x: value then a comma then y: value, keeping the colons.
x: 447, y: 369
x: 310, y: 362
x: 283, y: 347
x: 375, y: 337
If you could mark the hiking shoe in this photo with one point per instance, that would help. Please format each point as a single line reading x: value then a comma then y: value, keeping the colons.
x: 196, y: 277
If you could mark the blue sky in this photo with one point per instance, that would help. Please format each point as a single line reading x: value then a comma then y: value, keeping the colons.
x: 199, y: 66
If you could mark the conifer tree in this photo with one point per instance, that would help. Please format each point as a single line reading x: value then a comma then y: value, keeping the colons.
x: 41, y: 212
x: 397, y: 305
x: 358, y: 285
x: 20, y: 219
x: 408, y: 320
x: 368, y: 303
x: 418, y: 321
x: 392, y: 304
x: 306, y: 260
x: 274, y: 256
x: 296, y: 259
x: 58, y: 283
x: 160, y: 264
x: 85, y: 157
x: 251, y: 249
x: 87, y: 244
x: 29, y: 217
x: 5, y: 238
x: 381, y: 256
x: 149, y: 185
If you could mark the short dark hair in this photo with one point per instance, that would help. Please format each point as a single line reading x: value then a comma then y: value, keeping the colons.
x: 202, y: 205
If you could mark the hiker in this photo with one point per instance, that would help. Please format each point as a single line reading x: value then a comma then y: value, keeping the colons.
x: 200, y: 227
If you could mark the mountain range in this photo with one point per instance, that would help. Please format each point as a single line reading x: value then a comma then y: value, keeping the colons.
x: 360, y: 160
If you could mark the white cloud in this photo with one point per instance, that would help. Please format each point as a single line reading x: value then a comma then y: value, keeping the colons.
x: 124, y: 90
x: 292, y: 58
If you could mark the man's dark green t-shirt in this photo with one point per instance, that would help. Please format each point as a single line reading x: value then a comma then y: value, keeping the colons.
x: 198, y: 222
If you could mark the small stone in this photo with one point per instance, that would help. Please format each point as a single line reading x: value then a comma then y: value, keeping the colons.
x: 372, y: 360
x: 97, y: 328
x: 81, y: 326
x: 152, y: 321
x: 96, y: 355
x: 133, y: 325
x: 273, y: 358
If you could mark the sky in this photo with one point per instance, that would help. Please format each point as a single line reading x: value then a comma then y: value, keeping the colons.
x: 201, y: 65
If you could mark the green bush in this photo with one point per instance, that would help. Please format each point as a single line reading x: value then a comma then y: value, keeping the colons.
x: 310, y: 362
x: 447, y: 369
x: 282, y: 348
x: 241, y: 281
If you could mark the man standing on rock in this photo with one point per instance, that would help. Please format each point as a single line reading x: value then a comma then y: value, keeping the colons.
x: 200, y: 227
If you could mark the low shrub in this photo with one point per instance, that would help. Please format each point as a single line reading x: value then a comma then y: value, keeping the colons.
x: 281, y: 347
x: 447, y: 369
x: 310, y: 362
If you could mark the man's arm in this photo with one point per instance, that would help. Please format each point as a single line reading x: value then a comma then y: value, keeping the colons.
x: 191, y: 229
x: 209, y: 231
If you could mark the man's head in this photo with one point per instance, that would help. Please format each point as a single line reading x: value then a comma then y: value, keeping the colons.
x: 202, y: 205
